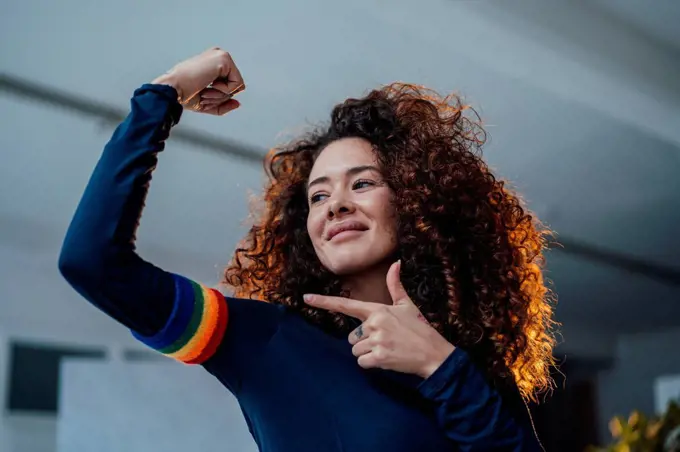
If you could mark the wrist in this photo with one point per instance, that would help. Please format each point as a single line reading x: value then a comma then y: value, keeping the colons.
x: 169, y: 79
x: 437, y: 359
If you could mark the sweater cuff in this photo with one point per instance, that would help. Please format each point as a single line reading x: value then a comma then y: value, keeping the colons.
x: 196, y: 325
x: 435, y: 383
x: 166, y: 93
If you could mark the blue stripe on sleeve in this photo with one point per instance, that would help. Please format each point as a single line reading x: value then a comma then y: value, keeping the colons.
x: 179, y: 318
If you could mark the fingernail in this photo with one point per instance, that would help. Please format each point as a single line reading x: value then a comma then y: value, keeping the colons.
x: 308, y: 297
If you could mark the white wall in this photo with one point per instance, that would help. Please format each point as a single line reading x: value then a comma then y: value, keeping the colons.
x: 30, y: 433
x: 140, y: 407
x: 629, y: 385
x: 35, y: 431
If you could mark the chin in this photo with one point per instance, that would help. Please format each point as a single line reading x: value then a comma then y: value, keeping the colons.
x: 346, y: 268
x: 352, y: 263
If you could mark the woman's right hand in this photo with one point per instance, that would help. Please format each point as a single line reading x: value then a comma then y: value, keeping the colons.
x: 206, y: 82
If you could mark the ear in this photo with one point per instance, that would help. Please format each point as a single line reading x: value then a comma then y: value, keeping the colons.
x: 397, y: 291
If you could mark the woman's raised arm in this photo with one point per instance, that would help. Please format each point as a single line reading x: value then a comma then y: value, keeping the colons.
x: 168, y: 312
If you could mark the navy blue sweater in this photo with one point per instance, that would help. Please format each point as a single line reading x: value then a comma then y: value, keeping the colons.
x: 300, y: 388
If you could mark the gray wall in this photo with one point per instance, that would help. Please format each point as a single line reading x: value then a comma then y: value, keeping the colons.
x: 629, y: 385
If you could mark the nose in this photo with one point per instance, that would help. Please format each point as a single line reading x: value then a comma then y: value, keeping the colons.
x: 339, y: 208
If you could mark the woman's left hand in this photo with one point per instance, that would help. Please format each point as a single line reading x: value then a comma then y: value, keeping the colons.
x: 395, y: 337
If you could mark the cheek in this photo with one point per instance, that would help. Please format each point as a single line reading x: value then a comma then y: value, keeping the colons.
x: 315, y: 226
x: 385, y: 214
x: 390, y: 222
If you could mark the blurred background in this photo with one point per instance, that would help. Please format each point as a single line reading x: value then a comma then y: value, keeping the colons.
x: 581, y: 100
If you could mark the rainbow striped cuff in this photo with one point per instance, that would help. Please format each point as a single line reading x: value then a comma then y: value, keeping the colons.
x: 196, y: 325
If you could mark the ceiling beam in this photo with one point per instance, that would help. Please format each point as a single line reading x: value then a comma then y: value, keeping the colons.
x: 621, y: 261
x: 113, y: 115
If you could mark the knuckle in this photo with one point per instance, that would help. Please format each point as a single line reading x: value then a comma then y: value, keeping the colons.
x: 380, y: 316
x: 219, y: 54
x: 384, y: 312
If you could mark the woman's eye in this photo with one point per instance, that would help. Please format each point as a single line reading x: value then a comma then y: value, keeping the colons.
x: 362, y: 184
x: 317, y: 197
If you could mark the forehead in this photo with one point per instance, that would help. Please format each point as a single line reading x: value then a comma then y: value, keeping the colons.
x: 341, y: 155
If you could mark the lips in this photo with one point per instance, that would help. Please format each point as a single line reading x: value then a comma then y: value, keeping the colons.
x: 345, y: 226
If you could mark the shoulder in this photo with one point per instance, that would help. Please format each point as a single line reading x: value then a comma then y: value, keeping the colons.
x: 251, y: 325
x: 253, y: 318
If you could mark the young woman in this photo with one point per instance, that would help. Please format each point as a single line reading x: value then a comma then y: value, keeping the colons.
x: 390, y: 297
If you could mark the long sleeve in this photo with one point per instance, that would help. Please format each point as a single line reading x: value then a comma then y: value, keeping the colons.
x: 472, y: 413
x: 168, y: 312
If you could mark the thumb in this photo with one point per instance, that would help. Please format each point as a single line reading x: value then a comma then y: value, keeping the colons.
x: 397, y: 291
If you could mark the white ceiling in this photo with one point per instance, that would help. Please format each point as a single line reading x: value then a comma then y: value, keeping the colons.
x: 581, y: 99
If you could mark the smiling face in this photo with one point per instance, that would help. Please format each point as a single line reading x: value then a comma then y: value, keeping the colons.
x: 351, y: 220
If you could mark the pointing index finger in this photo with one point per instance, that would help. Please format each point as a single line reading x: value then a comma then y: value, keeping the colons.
x: 354, y: 308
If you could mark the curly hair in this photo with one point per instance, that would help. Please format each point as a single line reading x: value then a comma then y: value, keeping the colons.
x: 472, y: 255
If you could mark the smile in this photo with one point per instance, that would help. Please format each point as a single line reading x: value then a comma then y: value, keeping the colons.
x: 346, y: 229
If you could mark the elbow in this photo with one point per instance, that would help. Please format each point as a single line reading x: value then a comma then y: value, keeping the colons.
x: 69, y: 268
x: 79, y: 267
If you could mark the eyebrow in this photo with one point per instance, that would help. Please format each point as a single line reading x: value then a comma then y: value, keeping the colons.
x: 350, y: 172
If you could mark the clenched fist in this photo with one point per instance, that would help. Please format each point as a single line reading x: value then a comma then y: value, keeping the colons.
x: 206, y: 82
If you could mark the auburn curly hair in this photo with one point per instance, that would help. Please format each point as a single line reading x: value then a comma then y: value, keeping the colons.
x: 471, y: 254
